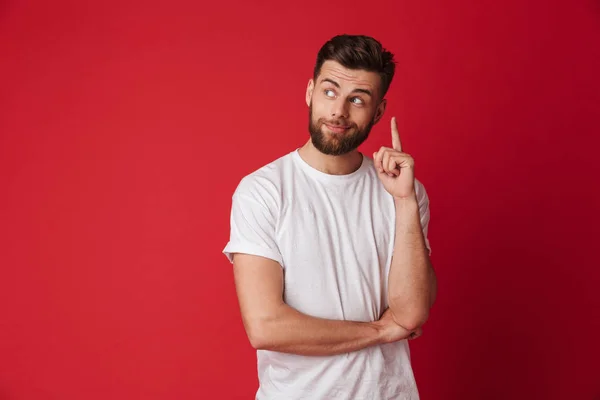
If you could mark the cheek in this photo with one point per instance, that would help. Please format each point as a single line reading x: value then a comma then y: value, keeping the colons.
x: 361, y: 117
x: 318, y: 110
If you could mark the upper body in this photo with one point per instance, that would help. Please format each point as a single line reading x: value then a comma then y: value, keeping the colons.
x: 333, y: 237
x: 330, y: 249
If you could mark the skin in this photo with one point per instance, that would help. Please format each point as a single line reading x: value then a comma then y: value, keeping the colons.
x: 341, y: 96
x: 344, y: 104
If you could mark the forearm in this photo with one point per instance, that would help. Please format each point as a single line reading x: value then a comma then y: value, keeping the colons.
x: 412, y: 282
x: 290, y: 331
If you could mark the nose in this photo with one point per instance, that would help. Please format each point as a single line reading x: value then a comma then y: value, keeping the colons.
x: 339, y: 108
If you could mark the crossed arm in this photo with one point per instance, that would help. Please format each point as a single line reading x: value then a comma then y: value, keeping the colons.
x: 412, y: 283
x: 273, y: 325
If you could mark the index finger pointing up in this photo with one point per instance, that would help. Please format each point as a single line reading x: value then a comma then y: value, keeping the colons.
x: 396, y: 144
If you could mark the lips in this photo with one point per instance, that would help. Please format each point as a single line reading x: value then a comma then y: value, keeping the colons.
x: 337, y: 128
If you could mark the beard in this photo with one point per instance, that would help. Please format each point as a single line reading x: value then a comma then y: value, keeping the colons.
x: 336, y: 145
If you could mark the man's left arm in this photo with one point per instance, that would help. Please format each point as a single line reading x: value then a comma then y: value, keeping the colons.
x: 412, y: 283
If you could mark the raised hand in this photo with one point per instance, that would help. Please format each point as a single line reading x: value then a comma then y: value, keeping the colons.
x: 395, y: 168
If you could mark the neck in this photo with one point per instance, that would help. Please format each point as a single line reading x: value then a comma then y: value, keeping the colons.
x: 333, y: 165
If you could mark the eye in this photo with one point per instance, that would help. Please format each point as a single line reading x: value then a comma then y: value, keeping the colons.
x: 329, y: 93
x: 357, y: 100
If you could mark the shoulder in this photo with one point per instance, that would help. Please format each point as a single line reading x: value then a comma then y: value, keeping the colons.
x: 264, y: 184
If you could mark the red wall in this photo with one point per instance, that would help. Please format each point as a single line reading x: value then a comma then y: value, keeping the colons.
x: 125, y: 128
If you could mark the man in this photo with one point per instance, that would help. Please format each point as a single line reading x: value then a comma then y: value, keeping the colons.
x: 329, y: 247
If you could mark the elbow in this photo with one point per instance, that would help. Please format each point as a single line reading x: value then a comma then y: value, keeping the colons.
x: 411, y: 317
x: 411, y: 323
x: 258, y: 335
x: 262, y: 329
x: 256, y: 342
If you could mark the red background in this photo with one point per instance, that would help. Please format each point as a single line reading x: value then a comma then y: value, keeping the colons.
x: 126, y: 126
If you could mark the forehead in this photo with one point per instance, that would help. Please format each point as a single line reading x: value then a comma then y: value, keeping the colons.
x: 354, y: 78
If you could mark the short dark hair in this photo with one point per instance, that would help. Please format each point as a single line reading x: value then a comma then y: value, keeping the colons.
x: 358, y: 52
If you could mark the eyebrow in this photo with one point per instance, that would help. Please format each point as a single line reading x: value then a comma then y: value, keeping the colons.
x: 359, y: 90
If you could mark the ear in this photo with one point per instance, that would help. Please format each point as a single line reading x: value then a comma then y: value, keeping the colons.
x: 380, y: 110
x: 309, y: 91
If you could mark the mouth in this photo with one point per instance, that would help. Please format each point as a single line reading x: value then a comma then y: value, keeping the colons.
x: 337, y: 128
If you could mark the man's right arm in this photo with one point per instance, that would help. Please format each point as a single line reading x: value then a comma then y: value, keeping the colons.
x: 273, y: 325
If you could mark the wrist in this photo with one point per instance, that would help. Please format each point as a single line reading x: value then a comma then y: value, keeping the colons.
x: 405, y: 200
x: 406, y: 204
x: 379, y: 332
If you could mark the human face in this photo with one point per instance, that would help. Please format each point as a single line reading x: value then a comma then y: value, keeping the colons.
x: 344, y: 105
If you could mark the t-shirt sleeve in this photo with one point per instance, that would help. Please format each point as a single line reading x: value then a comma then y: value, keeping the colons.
x: 424, y: 212
x: 252, y: 228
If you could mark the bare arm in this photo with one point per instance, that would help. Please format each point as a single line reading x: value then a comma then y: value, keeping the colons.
x: 273, y: 325
x: 412, y: 281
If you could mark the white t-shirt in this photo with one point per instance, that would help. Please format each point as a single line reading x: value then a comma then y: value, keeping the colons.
x: 333, y: 235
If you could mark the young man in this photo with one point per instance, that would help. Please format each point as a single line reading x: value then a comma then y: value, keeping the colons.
x: 329, y: 247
